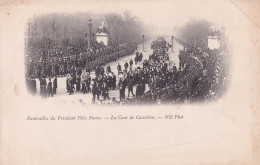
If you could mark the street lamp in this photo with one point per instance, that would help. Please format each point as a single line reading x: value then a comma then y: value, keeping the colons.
x: 143, y: 42
x: 90, y: 24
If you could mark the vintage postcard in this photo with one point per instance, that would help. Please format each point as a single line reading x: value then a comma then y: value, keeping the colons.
x: 130, y: 82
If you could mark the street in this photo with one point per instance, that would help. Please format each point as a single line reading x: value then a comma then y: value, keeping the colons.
x: 62, y: 94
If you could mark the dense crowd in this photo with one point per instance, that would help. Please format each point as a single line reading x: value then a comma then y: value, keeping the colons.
x: 44, y: 59
x: 201, y: 76
x: 47, y: 59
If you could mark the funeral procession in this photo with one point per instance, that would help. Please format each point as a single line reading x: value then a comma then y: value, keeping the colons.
x: 116, y: 59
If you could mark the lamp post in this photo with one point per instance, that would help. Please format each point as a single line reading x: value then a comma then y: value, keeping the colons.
x: 89, y: 41
x: 143, y: 42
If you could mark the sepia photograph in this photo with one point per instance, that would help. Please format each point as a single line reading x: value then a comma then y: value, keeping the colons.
x: 117, y: 58
x: 129, y: 82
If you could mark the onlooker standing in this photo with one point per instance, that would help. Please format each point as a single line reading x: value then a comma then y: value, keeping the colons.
x: 49, y: 88
x: 55, y: 85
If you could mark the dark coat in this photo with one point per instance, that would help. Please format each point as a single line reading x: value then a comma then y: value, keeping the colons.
x: 55, y: 84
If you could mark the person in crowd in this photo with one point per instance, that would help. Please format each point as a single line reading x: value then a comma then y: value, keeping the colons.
x: 131, y: 63
x: 121, y: 85
x: 141, y: 56
x: 78, y: 81
x: 84, y: 82
x: 55, y: 84
x: 88, y: 82
x: 136, y: 59
x: 43, y: 84
x: 113, y: 82
x: 95, y: 91
x: 126, y: 66
x: 67, y: 82
x: 118, y: 68
x: 49, y: 89
x: 130, y: 86
x: 105, y: 91
x: 138, y: 89
x: 71, y: 83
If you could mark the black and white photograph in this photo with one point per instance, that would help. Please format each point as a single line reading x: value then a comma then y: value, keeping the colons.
x: 129, y: 82
x: 119, y: 58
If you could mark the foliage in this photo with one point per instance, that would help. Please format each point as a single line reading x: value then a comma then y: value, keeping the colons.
x: 63, y: 28
x: 195, y: 32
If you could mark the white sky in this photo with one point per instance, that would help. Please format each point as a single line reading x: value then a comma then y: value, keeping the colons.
x: 163, y: 15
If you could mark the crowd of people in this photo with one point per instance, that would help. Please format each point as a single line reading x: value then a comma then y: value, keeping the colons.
x: 53, y: 60
x: 199, y: 77
x: 104, y: 80
x: 47, y: 59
